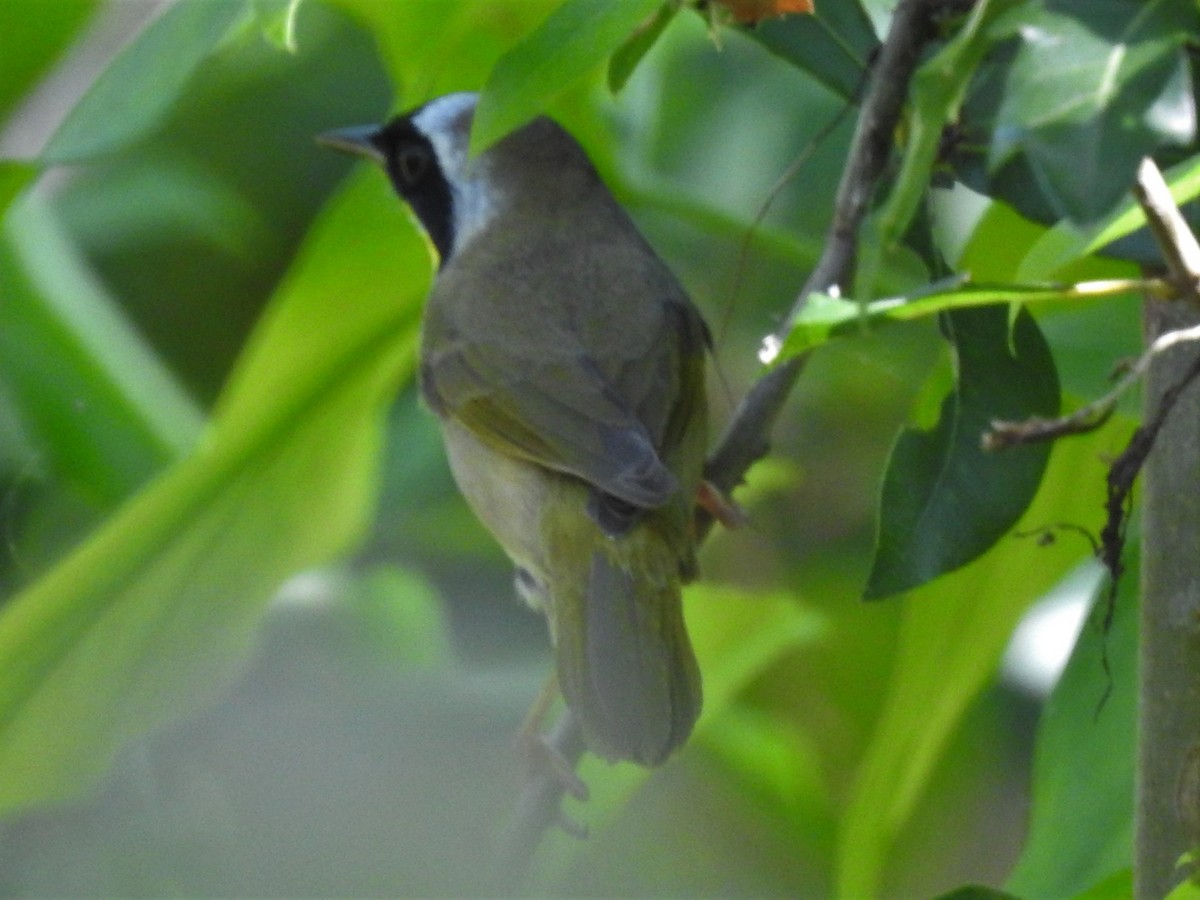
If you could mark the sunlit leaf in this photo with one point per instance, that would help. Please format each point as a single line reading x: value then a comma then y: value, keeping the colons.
x: 1067, y: 242
x: 1185, y: 890
x: 142, y: 83
x: 945, y: 499
x: 570, y: 43
x: 150, y: 615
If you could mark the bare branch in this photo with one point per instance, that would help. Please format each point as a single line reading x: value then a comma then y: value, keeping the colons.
x: 1175, y: 239
x: 1091, y: 416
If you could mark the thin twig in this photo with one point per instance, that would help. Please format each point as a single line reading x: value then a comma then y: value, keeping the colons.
x: 745, y: 440
x: 1002, y: 435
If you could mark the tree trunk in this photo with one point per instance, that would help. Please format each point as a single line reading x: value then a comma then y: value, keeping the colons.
x: 1168, y: 802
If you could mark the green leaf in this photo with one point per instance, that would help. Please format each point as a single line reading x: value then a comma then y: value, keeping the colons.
x: 101, y: 408
x: 1186, y: 890
x: 626, y: 57
x: 14, y: 178
x: 35, y: 33
x: 834, y: 44
x: 277, y: 18
x: 572, y: 41
x: 1067, y: 243
x: 946, y: 500
x: 952, y: 637
x: 1094, y: 86
x: 142, y: 83
x: 1116, y: 887
x: 149, y: 616
x: 825, y: 317
x: 1081, y: 826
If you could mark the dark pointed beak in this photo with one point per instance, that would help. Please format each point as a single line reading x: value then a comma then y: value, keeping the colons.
x: 360, y: 140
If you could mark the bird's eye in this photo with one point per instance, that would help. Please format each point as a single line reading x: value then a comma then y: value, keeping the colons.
x: 412, y: 162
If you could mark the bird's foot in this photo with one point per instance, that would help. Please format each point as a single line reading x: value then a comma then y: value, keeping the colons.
x: 720, y: 507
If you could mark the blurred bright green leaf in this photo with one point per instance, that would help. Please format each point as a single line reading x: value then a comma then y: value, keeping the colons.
x: 142, y: 83
x: 103, y: 410
x: 1095, y: 85
x: 149, y: 616
x: 573, y: 40
x: 945, y: 499
x: 1187, y: 890
x: 1066, y: 242
x: 1116, y: 887
x: 14, y: 178
x: 36, y: 32
x: 1081, y: 826
x: 952, y: 637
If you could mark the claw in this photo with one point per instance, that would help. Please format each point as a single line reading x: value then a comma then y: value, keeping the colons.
x: 541, y: 758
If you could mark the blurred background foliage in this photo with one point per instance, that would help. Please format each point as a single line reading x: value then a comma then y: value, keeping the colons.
x: 206, y: 333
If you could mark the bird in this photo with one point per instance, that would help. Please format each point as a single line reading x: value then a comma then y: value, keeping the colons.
x: 565, y: 364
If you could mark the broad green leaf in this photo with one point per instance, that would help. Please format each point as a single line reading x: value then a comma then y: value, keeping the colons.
x: 1067, y: 242
x: 572, y: 41
x: 103, y: 411
x: 277, y: 18
x: 1095, y: 85
x: 142, y: 83
x: 14, y: 178
x: 35, y: 33
x: 946, y: 500
x: 1186, y: 890
x: 953, y: 634
x: 149, y: 617
x: 626, y: 57
x: 834, y: 44
x: 1116, y: 887
x: 1081, y: 825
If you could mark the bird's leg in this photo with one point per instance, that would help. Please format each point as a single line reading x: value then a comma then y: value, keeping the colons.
x: 720, y: 507
x: 537, y: 753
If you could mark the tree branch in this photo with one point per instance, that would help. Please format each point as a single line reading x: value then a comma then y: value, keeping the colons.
x: 1168, y: 803
x: 746, y: 438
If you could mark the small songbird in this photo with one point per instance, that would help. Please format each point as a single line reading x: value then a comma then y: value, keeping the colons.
x: 565, y: 364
